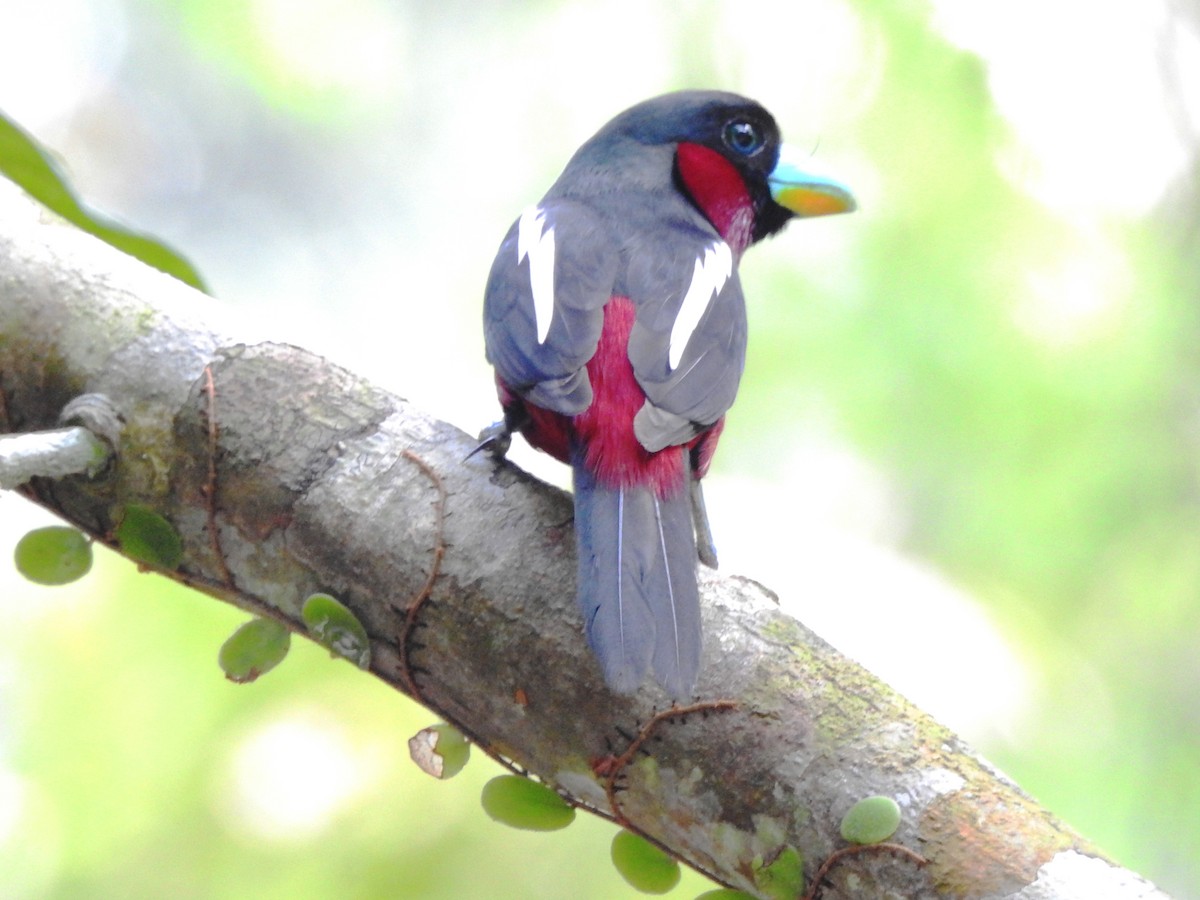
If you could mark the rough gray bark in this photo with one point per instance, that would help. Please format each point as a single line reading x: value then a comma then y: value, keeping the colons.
x: 315, y: 480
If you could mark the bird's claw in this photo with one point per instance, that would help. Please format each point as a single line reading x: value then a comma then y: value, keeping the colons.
x: 495, y: 439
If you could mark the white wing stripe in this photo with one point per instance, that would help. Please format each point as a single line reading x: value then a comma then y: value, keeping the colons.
x: 536, y: 241
x: 712, y: 270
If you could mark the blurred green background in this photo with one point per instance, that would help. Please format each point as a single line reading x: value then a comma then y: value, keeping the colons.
x: 965, y: 450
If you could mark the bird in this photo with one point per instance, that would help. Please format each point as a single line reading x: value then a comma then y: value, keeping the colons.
x: 616, y: 327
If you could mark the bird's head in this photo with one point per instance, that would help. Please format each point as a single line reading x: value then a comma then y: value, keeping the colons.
x: 723, y: 152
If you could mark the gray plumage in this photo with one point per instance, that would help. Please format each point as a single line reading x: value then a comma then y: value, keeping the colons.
x: 602, y: 252
x: 637, y: 584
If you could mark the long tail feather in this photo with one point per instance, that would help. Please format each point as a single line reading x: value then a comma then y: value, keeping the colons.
x: 637, y: 584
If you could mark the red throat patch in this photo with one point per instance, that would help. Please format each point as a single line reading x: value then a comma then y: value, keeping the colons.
x: 719, y: 190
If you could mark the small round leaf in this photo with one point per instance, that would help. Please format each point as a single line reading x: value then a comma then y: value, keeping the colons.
x: 871, y: 820
x: 53, y: 555
x: 643, y: 865
x: 440, y: 750
x: 337, y: 629
x: 523, y: 803
x: 254, y: 649
x: 148, y: 538
x: 782, y: 877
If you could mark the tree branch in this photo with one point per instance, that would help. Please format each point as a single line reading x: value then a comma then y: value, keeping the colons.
x: 286, y: 475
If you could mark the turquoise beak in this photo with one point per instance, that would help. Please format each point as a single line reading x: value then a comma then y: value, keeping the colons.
x: 806, y: 194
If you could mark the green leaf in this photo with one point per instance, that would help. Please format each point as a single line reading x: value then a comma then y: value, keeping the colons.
x: 54, y: 555
x: 440, y: 750
x: 724, y: 894
x: 642, y: 864
x: 337, y: 629
x: 526, y: 804
x: 871, y: 820
x: 783, y: 877
x: 34, y: 169
x: 148, y: 538
x: 254, y: 649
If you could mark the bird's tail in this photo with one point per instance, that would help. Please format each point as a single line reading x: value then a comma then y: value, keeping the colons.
x: 637, y: 583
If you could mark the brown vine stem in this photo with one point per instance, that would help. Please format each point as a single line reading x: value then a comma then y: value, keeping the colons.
x: 614, y: 766
x: 210, y: 488
x: 413, y: 610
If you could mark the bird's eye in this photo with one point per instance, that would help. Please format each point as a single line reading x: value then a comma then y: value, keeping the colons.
x: 743, y: 137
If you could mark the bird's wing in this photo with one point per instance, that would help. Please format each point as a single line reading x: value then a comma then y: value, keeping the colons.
x: 544, y: 303
x: 688, y: 346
